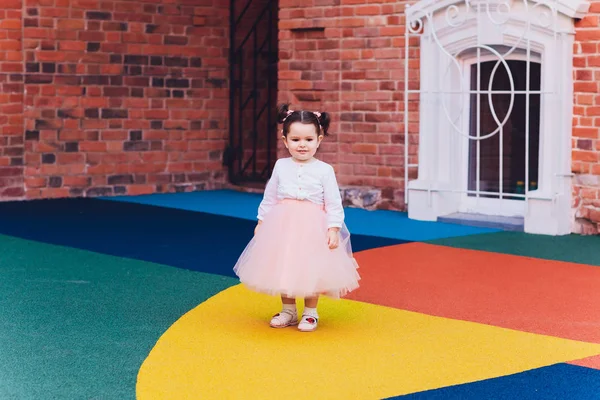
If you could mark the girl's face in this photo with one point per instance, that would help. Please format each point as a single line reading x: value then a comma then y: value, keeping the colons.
x: 302, y: 141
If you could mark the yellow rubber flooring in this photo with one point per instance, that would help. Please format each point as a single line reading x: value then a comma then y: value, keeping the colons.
x: 224, y: 349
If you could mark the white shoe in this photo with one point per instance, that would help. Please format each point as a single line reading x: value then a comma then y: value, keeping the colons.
x: 308, y: 323
x: 284, y: 319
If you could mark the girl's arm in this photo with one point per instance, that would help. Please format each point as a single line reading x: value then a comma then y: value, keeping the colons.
x: 333, y: 200
x: 270, y: 195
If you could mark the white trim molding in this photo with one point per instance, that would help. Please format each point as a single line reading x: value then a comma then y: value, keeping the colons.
x: 454, y: 33
x: 570, y: 8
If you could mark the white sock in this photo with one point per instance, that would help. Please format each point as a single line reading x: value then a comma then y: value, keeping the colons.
x: 311, y: 311
x: 290, y: 307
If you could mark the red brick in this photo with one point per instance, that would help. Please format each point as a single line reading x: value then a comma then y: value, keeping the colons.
x: 11, y: 67
x: 586, y: 156
x: 12, y: 4
x: 590, y: 87
x: 587, y: 35
x: 10, y: 45
x: 367, y: 10
x: 11, y: 24
x: 364, y: 148
x: 76, y: 181
x: 592, y: 133
x: 588, y: 193
x: 594, y: 214
x: 72, y: 46
x: 135, y: 190
x: 37, y: 33
x: 587, y: 22
x: 70, y: 158
x: 584, y: 75
x: 35, y: 182
x: 585, y: 99
x: 593, y: 61
x: 51, y: 193
x: 70, y: 24
x: 392, y: 31
x: 384, y: 171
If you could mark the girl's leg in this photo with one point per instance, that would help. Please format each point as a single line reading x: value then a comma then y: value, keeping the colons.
x: 288, y: 300
x: 288, y: 315
x: 310, y: 317
x: 311, y: 302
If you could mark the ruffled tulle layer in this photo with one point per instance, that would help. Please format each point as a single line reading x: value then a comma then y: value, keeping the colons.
x: 289, y: 255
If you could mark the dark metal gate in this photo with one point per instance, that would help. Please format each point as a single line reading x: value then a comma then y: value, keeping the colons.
x: 252, y: 147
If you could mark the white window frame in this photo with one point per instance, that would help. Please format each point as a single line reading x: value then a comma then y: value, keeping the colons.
x: 483, y: 205
x: 438, y: 191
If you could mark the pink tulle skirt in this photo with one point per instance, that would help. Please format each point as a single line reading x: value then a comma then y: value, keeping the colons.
x: 289, y: 255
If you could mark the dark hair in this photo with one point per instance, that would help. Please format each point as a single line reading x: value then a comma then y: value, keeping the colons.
x: 285, y: 117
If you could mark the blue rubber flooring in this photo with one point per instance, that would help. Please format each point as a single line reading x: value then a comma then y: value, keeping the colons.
x: 380, y: 223
x: 556, y: 382
x: 168, y: 236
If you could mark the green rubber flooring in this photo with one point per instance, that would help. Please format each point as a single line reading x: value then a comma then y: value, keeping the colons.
x: 78, y: 324
x: 570, y: 248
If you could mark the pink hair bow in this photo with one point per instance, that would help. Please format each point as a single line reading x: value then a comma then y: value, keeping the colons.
x: 289, y: 112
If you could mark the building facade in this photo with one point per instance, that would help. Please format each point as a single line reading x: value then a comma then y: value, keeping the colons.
x: 457, y: 108
x: 440, y: 108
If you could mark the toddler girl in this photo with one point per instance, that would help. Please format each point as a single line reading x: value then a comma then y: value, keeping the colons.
x: 301, y: 247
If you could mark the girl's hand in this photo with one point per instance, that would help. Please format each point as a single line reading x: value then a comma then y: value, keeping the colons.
x: 333, y: 238
x: 257, y: 226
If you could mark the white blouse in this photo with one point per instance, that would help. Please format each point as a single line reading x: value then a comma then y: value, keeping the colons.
x: 313, y: 181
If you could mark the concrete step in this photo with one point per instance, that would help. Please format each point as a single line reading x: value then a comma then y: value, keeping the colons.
x: 485, y: 221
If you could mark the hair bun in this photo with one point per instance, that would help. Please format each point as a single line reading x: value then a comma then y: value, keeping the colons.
x: 283, y: 111
x: 324, y: 119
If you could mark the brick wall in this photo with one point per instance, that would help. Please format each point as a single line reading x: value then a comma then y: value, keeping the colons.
x: 586, y: 123
x: 11, y: 99
x: 346, y: 57
x: 121, y: 97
